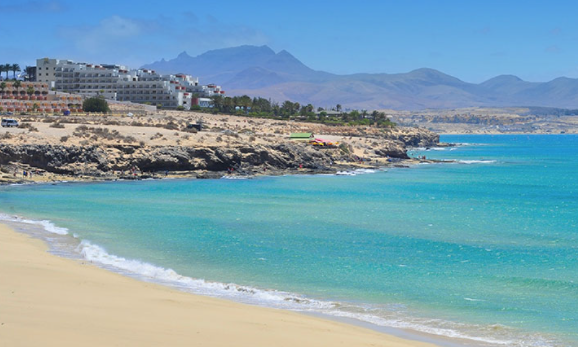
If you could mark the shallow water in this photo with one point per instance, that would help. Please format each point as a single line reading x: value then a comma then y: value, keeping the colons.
x: 484, y: 248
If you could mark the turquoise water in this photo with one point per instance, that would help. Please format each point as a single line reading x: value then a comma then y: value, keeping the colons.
x: 485, y: 248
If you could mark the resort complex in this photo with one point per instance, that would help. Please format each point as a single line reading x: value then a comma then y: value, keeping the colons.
x: 117, y: 82
x: 18, y: 96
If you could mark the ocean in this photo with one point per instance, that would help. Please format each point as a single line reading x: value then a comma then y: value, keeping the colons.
x: 482, y: 249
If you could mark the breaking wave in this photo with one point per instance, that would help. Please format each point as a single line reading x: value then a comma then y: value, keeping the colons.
x: 384, y: 315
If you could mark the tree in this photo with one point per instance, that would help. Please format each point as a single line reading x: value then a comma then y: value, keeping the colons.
x: 261, y: 105
x: 338, y: 108
x: 17, y: 85
x: 30, y: 90
x: 30, y: 73
x: 3, y: 85
x: 245, y: 102
x: 217, y: 102
x: 14, y: 68
x: 1, y: 70
x: 228, y: 104
x: 7, y: 68
x: 95, y: 104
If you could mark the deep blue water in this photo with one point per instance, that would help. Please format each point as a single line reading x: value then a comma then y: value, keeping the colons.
x: 484, y: 248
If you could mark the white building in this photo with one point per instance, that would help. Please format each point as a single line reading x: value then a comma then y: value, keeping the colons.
x: 116, y: 82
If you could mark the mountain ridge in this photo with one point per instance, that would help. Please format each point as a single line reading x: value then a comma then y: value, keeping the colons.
x: 259, y: 71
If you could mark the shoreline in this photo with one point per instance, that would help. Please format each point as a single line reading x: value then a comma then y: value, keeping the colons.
x: 108, y: 148
x: 80, y: 303
x: 336, y: 169
x: 451, y: 343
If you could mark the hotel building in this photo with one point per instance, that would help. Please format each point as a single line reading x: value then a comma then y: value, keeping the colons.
x: 117, y: 82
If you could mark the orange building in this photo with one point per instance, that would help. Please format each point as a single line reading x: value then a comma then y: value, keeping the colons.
x: 35, y: 97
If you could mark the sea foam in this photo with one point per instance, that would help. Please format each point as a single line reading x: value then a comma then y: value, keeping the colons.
x: 45, y: 224
x: 476, y: 161
x: 392, y: 316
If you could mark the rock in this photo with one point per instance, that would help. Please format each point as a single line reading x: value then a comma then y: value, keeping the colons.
x: 100, y: 161
x: 393, y: 149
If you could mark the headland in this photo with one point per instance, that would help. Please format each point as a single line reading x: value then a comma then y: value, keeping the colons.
x: 163, y: 145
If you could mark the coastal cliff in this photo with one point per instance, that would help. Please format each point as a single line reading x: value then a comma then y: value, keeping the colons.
x: 93, y: 153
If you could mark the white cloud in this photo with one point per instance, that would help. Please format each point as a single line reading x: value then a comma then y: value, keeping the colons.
x: 135, y: 41
x: 112, y: 34
x: 116, y: 26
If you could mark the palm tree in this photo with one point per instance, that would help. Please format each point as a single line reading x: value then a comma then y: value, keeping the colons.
x: 30, y: 91
x: 7, y: 68
x: 17, y: 85
x: 14, y: 68
x: 30, y: 73
x: 1, y: 70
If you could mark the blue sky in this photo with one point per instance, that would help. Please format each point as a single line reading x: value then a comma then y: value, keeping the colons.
x: 471, y: 40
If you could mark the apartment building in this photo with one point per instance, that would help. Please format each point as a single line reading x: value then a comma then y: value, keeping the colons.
x: 117, y: 82
x: 36, y: 97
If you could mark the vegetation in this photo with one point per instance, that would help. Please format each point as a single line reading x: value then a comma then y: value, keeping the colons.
x: 14, y: 68
x: 28, y: 126
x: 263, y: 108
x: 5, y: 68
x: 17, y: 85
x: 96, y: 134
x: 95, y: 104
x: 30, y: 73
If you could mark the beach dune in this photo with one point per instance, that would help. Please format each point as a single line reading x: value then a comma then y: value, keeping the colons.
x: 46, y: 300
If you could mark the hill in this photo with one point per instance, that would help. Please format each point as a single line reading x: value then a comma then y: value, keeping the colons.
x: 259, y: 71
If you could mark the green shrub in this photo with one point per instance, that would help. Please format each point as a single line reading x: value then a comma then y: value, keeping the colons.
x: 95, y: 104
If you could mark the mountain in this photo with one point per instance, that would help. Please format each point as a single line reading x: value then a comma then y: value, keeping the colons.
x: 259, y: 71
x: 239, y: 67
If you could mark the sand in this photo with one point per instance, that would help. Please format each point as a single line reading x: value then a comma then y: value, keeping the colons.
x: 169, y: 128
x: 46, y: 300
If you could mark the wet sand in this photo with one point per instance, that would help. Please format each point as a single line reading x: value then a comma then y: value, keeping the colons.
x: 47, y: 300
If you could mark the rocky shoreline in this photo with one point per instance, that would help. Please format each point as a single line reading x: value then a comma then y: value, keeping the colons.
x: 98, y: 163
x: 47, y: 161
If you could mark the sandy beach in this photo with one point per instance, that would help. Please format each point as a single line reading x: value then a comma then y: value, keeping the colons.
x: 46, y: 300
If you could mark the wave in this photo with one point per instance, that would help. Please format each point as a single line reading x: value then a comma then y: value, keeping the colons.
x: 476, y: 161
x: 45, y: 224
x: 227, y: 177
x: 388, y: 317
x: 425, y: 149
x: 357, y: 172
x: 383, y: 315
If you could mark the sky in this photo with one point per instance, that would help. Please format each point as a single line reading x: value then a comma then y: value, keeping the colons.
x: 473, y: 40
